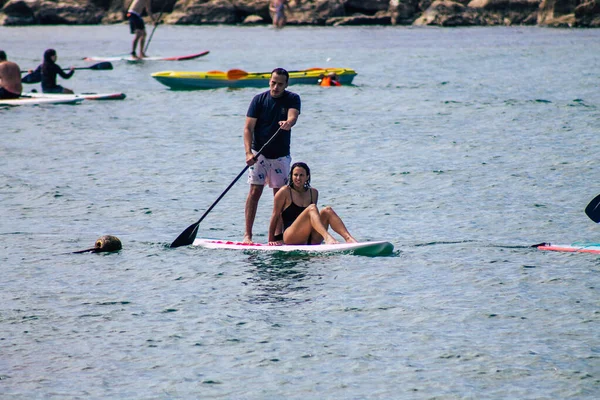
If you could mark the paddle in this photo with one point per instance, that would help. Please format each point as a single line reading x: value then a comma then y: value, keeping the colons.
x: 234, y: 74
x: 155, y: 26
x: 593, y: 209
x: 187, y: 237
x: 104, y: 65
x: 101, y: 66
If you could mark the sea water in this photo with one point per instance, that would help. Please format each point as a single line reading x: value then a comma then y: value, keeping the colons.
x: 463, y: 147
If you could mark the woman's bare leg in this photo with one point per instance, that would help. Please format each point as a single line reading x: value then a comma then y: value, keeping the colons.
x: 330, y: 218
x: 308, y: 224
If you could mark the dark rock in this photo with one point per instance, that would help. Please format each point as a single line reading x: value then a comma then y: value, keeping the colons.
x: 18, y: 12
x: 449, y: 13
x: 588, y: 14
x: 367, y: 7
x: 68, y: 12
x: 196, y: 12
x: 316, y: 13
x: 360, y: 20
x: 507, y: 12
x: 559, y: 13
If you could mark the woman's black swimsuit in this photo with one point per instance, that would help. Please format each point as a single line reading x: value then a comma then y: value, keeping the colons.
x: 293, y: 211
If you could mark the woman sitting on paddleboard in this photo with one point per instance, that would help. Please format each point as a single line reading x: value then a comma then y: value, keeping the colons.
x: 303, y: 223
x: 47, y: 72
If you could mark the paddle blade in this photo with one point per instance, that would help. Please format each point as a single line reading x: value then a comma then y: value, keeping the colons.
x: 236, y: 74
x: 186, y: 237
x: 106, y: 65
x: 593, y: 209
x: 32, y: 78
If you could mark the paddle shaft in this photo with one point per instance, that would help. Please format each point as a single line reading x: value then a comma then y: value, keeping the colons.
x: 103, y: 66
x: 153, y: 29
x: 187, y: 237
x: 223, y: 194
x: 36, y: 76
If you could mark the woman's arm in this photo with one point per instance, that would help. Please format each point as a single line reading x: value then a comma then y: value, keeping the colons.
x: 63, y: 75
x: 279, y: 203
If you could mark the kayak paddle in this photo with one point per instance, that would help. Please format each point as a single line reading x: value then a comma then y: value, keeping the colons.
x: 103, y: 66
x: 187, y: 237
x: 234, y: 74
x: 35, y: 78
x: 593, y: 209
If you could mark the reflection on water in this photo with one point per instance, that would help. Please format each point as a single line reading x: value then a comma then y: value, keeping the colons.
x: 279, y: 277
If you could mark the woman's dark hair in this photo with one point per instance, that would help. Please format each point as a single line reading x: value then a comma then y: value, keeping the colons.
x: 48, y: 59
x: 303, y: 166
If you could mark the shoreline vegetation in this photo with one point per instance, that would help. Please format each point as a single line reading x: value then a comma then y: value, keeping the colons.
x: 445, y: 13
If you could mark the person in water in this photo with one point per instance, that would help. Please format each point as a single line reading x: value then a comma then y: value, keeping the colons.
x: 136, y: 25
x: 46, y: 73
x: 303, y: 223
x: 330, y: 80
x: 10, y: 78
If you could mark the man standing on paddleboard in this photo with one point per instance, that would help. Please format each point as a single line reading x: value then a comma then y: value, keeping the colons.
x: 136, y: 24
x: 10, y: 78
x: 270, y: 113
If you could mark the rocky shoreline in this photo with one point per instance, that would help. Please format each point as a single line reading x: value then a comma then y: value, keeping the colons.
x: 447, y: 13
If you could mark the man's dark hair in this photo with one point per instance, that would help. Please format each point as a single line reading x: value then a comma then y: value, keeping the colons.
x: 281, y: 71
x: 2, y: 55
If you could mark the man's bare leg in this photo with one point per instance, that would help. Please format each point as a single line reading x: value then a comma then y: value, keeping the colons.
x: 136, y: 39
x: 250, y: 210
x: 143, y: 44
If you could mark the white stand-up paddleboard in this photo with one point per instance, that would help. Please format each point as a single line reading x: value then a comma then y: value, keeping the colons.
x: 130, y: 58
x: 371, y: 249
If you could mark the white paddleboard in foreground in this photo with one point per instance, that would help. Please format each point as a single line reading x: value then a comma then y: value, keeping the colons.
x: 371, y: 249
x: 34, y: 101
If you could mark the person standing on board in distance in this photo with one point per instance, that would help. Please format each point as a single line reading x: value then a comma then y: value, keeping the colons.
x: 278, y: 13
x: 136, y: 24
x: 303, y: 223
x: 47, y: 71
x: 394, y: 11
x: 10, y: 78
x: 270, y: 111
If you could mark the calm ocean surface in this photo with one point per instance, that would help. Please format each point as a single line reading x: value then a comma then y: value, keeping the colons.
x: 463, y: 147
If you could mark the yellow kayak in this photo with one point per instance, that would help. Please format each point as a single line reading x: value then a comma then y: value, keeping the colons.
x: 237, y: 78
